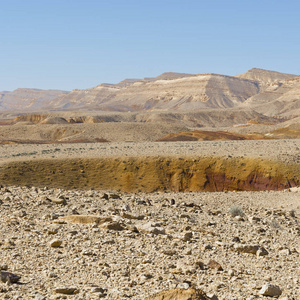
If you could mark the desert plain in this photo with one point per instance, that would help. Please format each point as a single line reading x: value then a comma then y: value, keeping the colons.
x: 176, y: 187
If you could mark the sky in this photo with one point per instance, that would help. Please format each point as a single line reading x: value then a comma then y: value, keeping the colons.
x: 68, y: 44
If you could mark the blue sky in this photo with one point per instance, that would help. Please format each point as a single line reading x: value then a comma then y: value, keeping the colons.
x: 67, y: 44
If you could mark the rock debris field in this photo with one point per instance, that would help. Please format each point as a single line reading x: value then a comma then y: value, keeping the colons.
x: 104, y: 244
x: 92, y: 244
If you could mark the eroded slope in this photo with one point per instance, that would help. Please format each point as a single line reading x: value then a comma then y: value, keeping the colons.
x: 149, y: 174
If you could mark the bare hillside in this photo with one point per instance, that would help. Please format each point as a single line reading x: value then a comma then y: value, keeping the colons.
x: 280, y: 98
x: 184, y: 93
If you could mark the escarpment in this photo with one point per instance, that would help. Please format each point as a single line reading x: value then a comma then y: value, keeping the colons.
x: 150, y: 174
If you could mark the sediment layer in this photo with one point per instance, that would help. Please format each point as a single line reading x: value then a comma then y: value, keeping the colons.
x: 150, y: 174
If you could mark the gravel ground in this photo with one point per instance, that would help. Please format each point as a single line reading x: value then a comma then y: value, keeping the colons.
x: 134, y: 245
x: 284, y: 150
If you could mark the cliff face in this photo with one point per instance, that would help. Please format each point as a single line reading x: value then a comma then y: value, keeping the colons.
x: 48, y: 119
x: 154, y: 174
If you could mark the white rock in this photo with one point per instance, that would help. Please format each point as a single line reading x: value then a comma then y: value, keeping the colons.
x: 270, y: 290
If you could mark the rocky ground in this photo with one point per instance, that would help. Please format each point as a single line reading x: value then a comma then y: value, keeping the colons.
x: 282, y: 150
x: 96, y: 245
x: 102, y: 244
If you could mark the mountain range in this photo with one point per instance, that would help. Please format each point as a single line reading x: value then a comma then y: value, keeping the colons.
x: 266, y: 92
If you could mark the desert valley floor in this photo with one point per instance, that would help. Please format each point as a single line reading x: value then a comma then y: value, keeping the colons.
x: 176, y: 187
x: 87, y: 243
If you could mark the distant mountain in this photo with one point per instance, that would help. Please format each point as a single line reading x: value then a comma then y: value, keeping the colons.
x: 267, y: 92
x: 282, y: 98
x: 163, y: 76
x: 171, y: 75
x: 179, y: 93
x: 27, y: 99
x: 265, y: 77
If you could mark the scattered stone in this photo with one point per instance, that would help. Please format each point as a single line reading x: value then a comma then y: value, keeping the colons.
x: 113, y: 226
x: 183, y: 285
x: 180, y: 294
x: 4, y: 267
x: 39, y: 297
x: 261, y: 252
x: 135, y: 264
x: 270, y: 290
x: 236, y: 239
x: 9, y: 277
x: 8, y: 244
x: 239, y: 218
x: 131, y: 217
x: 285, y: 251
x: 187, y: 236
x: 169, y: 252
x: 105, y: 196
x: 99, y: 292
x: 55, y: 243
x: 114, y: 196
x: 251, y: 249
x: 212, y: 296
x: 66, y: 290
x: 151, y: 227
x: 59, y: 200
x: 253, y: 220
x: 214, y: 265
x: 199, y: 264
x: 52, y: 231
x: 295, y: 189
x: 86, y: 219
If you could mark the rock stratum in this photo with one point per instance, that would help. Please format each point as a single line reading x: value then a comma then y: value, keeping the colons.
x: 150, y: 174
x: 155, y: 166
